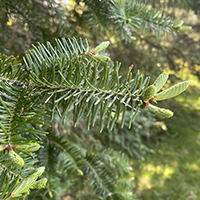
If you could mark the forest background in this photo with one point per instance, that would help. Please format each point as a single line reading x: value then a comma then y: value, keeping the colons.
x: 165, y: 157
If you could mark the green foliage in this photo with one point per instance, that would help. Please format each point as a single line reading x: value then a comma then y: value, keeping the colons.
x: 159, y: 112
x: 172, y: 91
x: 81, y: 171
x: 128, y: 17
x: 74, y: 78
x: 176, y: 161
x: 101, y: 47
x: 130, y: 140
x: 160, y: 81
x: 151, y: 95
x: 68, y: 77
x: 24, y: 23
x: 15, y: 159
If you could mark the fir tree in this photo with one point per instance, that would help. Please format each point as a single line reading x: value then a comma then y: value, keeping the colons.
x: 68, y: 79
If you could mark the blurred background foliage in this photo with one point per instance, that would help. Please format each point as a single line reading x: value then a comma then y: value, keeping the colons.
x: 164, y: 154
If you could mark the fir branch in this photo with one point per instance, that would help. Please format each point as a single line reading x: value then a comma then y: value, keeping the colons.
x: 129, y: 16
x: 69, y: 76
x: 73, y: 78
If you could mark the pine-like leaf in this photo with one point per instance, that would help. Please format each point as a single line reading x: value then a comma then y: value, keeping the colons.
x: 159, y: 112
x: 172, y: 91
x: 160, y: 81
x: 24, y: 186
x: 149, y: 93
